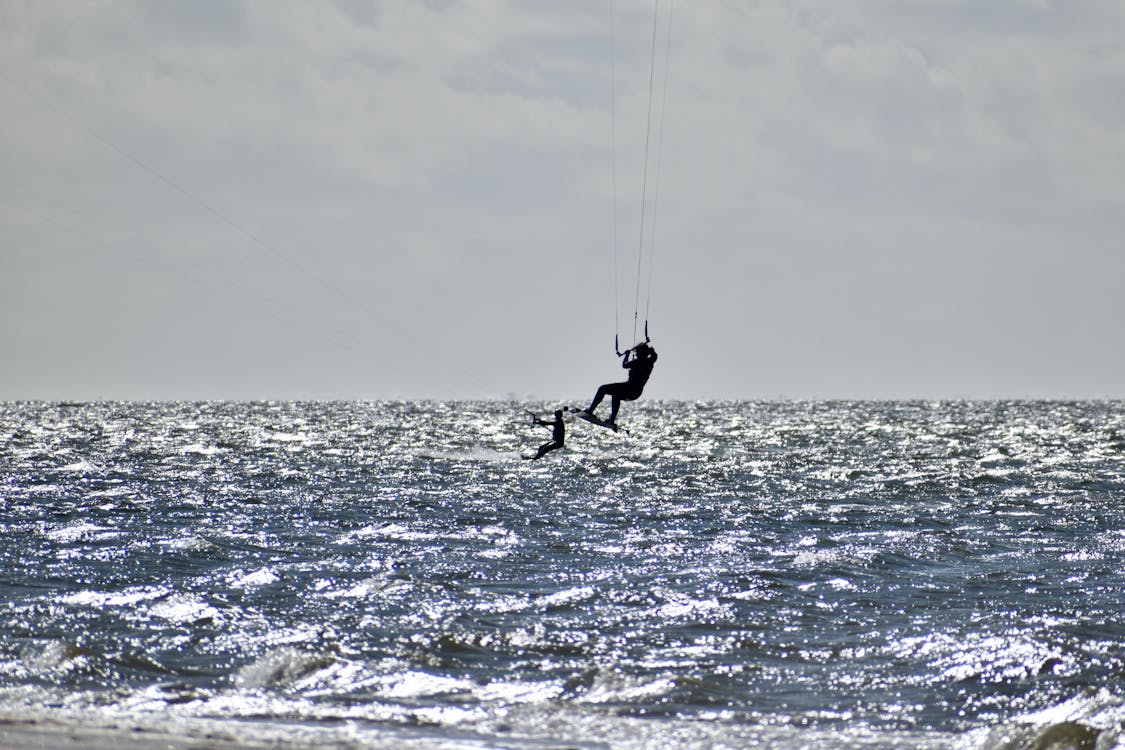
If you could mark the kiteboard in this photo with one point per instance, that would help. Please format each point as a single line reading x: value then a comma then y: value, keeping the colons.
x: 595, y: 419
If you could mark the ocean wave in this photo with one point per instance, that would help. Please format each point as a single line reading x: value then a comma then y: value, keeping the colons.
x: 284, y: 667
x: 1091, y: 720
x: 740, y: 575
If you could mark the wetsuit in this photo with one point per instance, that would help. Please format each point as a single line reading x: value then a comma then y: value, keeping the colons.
x: 558, y: 436
x: 640, y: 368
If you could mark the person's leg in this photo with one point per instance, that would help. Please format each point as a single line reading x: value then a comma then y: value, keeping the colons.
x: 545, y: 449
x: 602, y: 391
x: 609, y: 389
x: 615, y: 404
x: 625, y: 392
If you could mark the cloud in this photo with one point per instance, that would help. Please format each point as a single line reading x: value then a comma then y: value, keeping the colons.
x: 845, y: 188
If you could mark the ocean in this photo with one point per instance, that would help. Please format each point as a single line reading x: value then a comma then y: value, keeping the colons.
x: 725, y: 575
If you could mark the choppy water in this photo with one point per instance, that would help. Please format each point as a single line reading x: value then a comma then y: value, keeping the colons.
x: 728, y: 575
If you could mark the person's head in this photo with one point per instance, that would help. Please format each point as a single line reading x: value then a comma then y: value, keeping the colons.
x: 558, y: 413
x: 643, y: 348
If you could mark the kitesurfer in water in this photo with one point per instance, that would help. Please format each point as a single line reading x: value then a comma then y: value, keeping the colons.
x: 638, y: 361
x: 558, y: 434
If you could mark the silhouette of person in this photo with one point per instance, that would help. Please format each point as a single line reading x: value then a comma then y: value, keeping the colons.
x: 558, y: 434
x: 638, y: 361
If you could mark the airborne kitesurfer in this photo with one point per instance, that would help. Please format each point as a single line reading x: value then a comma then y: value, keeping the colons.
x: 639, y: 362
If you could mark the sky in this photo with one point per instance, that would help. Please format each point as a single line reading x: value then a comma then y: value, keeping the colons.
x: 401, y: 199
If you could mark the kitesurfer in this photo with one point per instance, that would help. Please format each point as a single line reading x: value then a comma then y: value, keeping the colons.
x: 558, y: 434
x: 638, y: 361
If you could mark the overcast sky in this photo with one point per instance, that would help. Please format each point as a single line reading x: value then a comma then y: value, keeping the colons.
x: 415, y: 199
